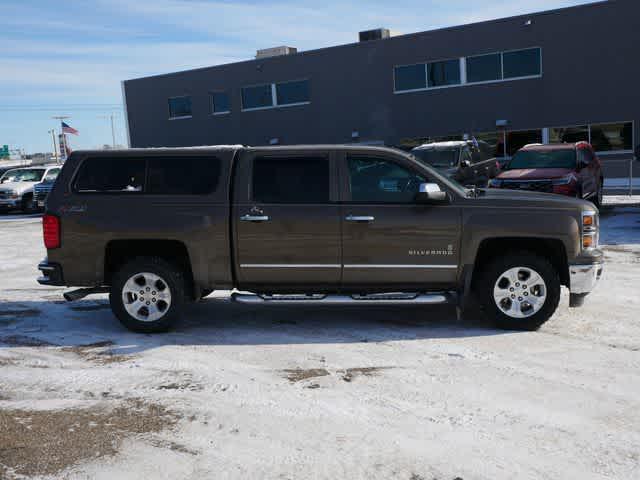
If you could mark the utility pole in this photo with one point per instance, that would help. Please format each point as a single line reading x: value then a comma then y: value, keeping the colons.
x: 55, y: 148
x: 113, y: 128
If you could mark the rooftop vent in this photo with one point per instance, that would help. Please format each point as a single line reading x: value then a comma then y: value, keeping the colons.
x: 376, y: 34
x: 275, y: 52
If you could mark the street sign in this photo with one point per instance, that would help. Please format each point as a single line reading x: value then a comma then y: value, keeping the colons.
x: 4, y: 151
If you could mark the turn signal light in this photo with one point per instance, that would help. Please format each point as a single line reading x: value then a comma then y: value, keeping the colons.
x: 588, y: 241
x: 587, y: 220
x: 51, y: 231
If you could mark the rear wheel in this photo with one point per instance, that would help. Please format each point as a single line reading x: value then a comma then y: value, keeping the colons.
x: 147, y: 295
x: 519, y: 291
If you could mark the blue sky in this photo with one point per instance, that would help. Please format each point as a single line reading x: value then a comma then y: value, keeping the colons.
x: 69, y: 57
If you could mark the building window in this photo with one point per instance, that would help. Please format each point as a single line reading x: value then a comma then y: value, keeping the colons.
x: 518, y: 139
x: 180, y: 107
x: 259, y: 96
x: 220, y: 103
x: 410, y: 77
x: 612, y: 137
x: 569, y: 134
x: 484, y: 68
x: 522, y: 63
x: 445, y: 73
x: 291, y: 93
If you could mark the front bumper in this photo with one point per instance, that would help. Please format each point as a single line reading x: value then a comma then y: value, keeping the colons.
x: 9, y: 203
x: 51, y: 274
x: 583, y: 278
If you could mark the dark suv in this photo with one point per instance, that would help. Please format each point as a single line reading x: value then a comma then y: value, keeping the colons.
x: 570, y: 169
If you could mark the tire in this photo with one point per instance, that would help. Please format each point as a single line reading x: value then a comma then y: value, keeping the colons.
x: 165, y: 301
x: 494, y: 292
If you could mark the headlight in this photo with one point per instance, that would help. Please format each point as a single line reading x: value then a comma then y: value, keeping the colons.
x: 589, y: 229
x: 494, y: 182
x: 13, y: 194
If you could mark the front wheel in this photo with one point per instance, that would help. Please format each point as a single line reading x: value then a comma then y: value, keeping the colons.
x: 519, y: 291
x: 147, y: 295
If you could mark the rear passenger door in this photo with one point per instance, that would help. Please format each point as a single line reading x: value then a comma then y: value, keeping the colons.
x: 287, y: 220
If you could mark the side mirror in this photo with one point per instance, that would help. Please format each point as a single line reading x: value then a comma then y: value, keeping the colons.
x: 465, y: 163
x: 430, y: 193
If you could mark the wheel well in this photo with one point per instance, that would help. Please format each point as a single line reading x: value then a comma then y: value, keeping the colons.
x: 118, y: 252
x: 549, y: 248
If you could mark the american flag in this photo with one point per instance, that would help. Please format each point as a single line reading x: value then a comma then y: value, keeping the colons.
x: 67, y: 129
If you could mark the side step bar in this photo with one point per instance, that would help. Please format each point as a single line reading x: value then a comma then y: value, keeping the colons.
x: 319, y: 299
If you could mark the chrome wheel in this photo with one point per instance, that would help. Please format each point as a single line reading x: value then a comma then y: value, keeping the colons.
x: 520, y: 292
x: 146, y: 297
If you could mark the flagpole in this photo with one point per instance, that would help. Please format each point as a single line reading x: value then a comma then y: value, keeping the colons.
x: 62, y: 134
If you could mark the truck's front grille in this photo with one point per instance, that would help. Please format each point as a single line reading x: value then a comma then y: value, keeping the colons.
x: 532, y: 185
x: 41, y: 191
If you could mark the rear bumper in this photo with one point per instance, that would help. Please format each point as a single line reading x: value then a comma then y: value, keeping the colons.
x: 51, y: 274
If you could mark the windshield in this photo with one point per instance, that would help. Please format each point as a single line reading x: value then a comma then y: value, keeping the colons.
x: 542, y: 159
x: 23, y: 175
x: 438, y: 158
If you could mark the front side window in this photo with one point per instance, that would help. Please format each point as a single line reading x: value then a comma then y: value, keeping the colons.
x: 220, y: 102
x: 258, y: 96
x: 441, y: 74
x: 183, y: 175
x: 565, y: 158
x: 612, y: 137
x: 51, y: 175
x: 376, y: 180
x: 289, y: 93
x: 180, y: 107
x: 110, y: 175
x: 484, y: 68
x: 522, y: 63
x: 297, y: 180
x: 410, y: 77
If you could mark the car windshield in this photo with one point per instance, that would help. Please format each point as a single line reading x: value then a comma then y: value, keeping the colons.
x: 543, y: 159
x: 438, y: 158
x: 23, y: 175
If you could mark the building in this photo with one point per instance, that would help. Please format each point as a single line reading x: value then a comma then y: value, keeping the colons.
x: 566, y: 74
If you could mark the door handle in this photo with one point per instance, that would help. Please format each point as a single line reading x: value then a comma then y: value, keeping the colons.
x: 360, y: 218
x: 254, y: 218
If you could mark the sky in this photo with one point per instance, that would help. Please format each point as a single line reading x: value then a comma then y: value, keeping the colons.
x: 69, y: 57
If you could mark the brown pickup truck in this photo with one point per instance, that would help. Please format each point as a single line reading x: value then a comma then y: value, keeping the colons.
x: 308, y: 225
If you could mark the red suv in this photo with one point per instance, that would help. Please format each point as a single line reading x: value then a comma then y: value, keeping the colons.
x: 571, y: 169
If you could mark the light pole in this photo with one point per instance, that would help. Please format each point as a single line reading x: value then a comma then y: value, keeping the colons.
x: 55, y: 148
x: 113, y: 128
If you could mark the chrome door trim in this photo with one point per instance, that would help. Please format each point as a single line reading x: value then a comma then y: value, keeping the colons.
x: 366, y: 265
x: 288, y: 265
x: 254, y: 218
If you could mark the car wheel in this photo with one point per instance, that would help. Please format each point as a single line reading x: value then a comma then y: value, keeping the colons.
x: 147, y: 295
x: 519, y: 291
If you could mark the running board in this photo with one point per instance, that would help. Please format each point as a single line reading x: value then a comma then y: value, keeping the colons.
x: 320, y: 299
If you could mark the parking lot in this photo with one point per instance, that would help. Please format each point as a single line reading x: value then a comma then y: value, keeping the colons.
x: 280, y: 392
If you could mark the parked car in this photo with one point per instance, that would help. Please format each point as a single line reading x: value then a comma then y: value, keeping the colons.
x: 41, y: 190
x: 308, y: 225
x: 571, y: 169
x: 16, y: 187
x: 467, y: 162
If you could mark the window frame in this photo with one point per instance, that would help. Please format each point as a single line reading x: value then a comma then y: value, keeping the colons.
x: 274, y: 95
x: 521, y: 50
x: 74, y: 179
x: 179, y: 117
x: 212, y: 103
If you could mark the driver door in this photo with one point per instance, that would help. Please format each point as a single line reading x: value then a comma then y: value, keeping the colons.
x: 388, y: 240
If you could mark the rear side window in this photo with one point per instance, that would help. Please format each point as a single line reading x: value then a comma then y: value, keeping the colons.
x: 124, y: 175
x: 183, y: 176
x: 291, y: 180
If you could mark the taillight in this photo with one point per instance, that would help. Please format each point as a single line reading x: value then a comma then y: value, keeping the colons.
x: 51, y: 231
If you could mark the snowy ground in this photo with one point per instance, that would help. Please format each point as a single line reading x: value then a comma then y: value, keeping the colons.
x: 336, y: 393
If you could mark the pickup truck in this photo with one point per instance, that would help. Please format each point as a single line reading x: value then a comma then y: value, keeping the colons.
x: 17, y: 187
x: 316, y: 225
